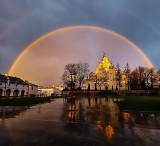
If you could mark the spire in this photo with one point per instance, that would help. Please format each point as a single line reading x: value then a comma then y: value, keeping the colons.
x: 104, y: 54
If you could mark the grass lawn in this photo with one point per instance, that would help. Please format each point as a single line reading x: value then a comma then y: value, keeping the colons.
x: 140, y: 103
x: 25, y: 101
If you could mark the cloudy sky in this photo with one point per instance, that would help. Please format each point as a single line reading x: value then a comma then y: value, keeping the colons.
x: 22, y: 22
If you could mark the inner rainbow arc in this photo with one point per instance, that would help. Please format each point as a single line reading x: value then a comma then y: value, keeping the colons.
x: 150, y: 64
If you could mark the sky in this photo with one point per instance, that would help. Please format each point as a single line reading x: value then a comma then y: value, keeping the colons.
x: 43, y: 61
x: 22, y: 22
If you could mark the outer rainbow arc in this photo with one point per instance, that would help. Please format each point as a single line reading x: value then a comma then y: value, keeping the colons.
x: 79, y: 27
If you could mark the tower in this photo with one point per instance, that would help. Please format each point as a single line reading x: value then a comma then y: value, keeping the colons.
x: 104, y: 65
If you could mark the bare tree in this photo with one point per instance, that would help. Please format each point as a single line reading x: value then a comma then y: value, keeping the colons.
x: 71, y: 71
x: 134, y: 81
x: 65, y: 78
x: 82, y: 70
x: 152, y: 77
x: 101, y: 78
x: 147, y: 77
x: 75, y: 74
x: 99, y: 81
x: 143, y: 78
x: 138, y: 79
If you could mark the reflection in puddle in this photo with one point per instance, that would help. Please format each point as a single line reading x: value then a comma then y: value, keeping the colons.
x: 142, y: 119
x: 11, y: 111
x: 84, y: 121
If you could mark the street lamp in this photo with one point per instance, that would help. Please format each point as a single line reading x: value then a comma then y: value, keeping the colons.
x: 6, y: 80
x: 95, y: 85
x: 53, y: 89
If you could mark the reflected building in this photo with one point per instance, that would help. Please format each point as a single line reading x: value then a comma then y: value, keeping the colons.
x: 80, y: 121
x: 11, y: 111
x: 104, y: 113
x: 141, y: 119
x: 100, y: 112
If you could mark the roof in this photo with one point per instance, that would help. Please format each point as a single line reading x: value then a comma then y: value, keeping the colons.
x: 13, y: 80
x: 33, y: 85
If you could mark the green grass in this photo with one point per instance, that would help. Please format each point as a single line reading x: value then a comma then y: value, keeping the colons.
x: 27, y: 101
x: 140, y: 103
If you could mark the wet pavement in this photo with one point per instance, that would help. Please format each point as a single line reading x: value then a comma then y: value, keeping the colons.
x: 81, y: 122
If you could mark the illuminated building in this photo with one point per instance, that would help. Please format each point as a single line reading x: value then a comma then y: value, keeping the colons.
x: 45, y: 91
x: 105, y: 77
x: 50, y: 91
x: 15, y: 86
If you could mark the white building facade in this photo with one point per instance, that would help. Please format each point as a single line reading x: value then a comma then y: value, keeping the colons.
x: 45, y: 91
x: 14, y: 86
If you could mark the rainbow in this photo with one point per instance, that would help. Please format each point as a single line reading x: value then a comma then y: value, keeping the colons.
x: 78, y: 27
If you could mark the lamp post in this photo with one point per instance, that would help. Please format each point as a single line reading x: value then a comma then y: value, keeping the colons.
x: 28, y: 90
x: 6, y: 80
x: 53, y: 89
x: 16, y: 91
x: 27, y: 84
x: 95, y: 85
x: 71, y: 81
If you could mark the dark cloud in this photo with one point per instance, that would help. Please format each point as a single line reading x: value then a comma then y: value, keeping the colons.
x: 21, y: 22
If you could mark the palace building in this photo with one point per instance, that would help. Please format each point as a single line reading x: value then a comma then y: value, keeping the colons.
x: 105, y: 77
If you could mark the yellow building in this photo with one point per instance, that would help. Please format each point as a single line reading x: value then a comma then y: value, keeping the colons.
x: 105, y: 77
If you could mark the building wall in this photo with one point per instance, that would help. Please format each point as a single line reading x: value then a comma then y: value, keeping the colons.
x: 33, y: 90
x: 9, y: 89
x: 110, y: 83
x: 21, y: 89
x: 107, y: 73
x: 112, y: 79
x: 46, y: 91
